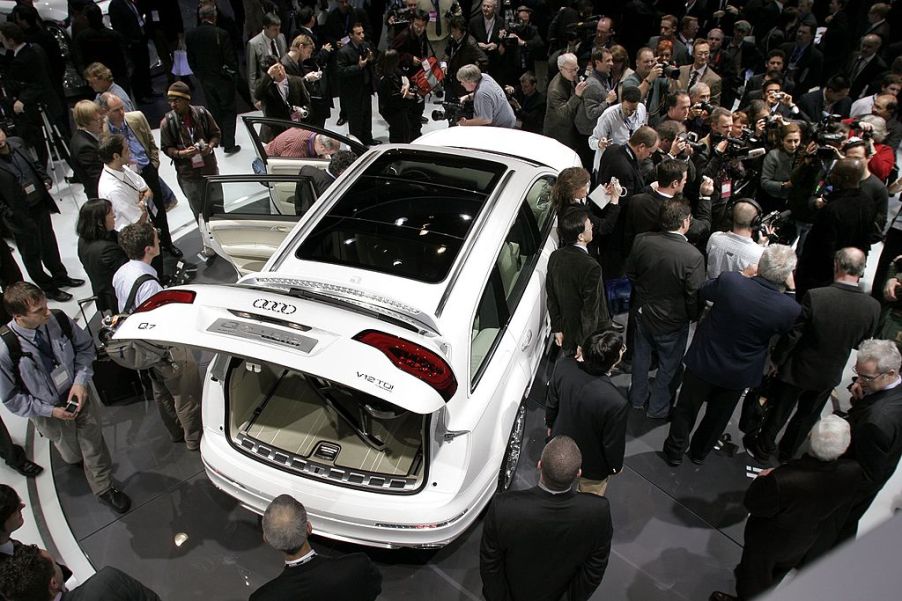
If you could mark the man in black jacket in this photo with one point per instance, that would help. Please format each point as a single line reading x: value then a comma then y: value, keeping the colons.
x: 523, y: 529
x: 790, y: 505
x: 584, y: 404
x: 576, y: 301
x: 666, y: 272
x: 806, y: 63
x: 832, y: 99
x: 846, y: 220
x: 283, y: 96
x: 129, y: 20
x: 876, y: 420
x: 729, y: 349
x: 211, y: 56
x: 27, y: 83
x: 32, y: 574
x: 358, y: 82
x: 316, y: 180
x: 307, y: 574
x: 811, y: 358
x: 86, y: 163
x: 462, y: 50
x: 27, y: 206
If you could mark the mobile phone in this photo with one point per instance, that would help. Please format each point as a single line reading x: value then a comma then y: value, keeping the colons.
x: 72, y: 405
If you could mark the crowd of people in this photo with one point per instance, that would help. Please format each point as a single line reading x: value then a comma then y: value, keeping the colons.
x: 747, y: 153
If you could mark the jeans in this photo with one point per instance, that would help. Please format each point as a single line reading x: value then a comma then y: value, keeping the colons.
x: 670, y: 348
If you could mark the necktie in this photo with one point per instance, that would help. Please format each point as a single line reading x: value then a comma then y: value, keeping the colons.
x: 856, y: 70
x: 693, y: 79
x: 438, y: 17
x: 46, y: 350
x: 275, y: 51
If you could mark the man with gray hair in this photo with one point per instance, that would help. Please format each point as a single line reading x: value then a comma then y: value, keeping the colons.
x: 490, y: 105
x: 810, y: 359
x: 729, y: 350
x: 573, y: 528
x: 307, y: 574
x: 563, y: 100
x: 789, y: 506
x: 876, y: 421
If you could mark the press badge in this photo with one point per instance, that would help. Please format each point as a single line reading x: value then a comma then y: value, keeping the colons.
x: 726, y: 189
x: 60, y: 378
x: 433, y: 16
x: 197, y: 160
x: 29, y: 189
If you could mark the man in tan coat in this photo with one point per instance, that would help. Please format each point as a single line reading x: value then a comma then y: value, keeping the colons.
x: 145, y: 156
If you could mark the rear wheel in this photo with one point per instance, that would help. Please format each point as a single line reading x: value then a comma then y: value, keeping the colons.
x: 514, y: 448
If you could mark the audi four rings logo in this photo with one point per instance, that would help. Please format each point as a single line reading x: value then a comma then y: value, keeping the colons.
x: 275, y: 306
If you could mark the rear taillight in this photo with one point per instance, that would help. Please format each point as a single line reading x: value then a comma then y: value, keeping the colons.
x: 414, y: 359
x: 166, y: 297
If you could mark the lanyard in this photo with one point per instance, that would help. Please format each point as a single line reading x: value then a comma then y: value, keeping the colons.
x: 123, y: 179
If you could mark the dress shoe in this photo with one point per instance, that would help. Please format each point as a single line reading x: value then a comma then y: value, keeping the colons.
x: 69, y: 282
x: 27, y: 468
x: 696, y: 460
x: 754, y: 449
x: 175, y: 251
x: 55, y: 294
x: 341, y: 121
x: 615, y: 327
x: 719, y: 596
x: 232, y: 149
x: 116, y: 499
x: 72, y: 179
x: 672, y: 461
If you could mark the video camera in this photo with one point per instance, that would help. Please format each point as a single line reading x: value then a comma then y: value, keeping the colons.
x: 828, y: 135
x: 452, y: 110
x: 777, y: 227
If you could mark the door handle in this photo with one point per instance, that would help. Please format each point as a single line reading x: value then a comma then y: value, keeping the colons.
x: 280, y: 228
x: 526, y: 341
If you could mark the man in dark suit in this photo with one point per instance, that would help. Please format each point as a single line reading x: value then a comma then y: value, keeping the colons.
x: 811, y: 358
x: 576, y: 301
x: 585, y: 405
x: 29, y: 89
x: 806, y: 63
x: 666, y: 272
x: 832, y: 99
x: 486, y: 29
x: 876, y: 421
x: 315, y: 180
x: 86, y: 163
x: 463, y: 50
x: 28, y: 206
x: 623, y: 162
x: 790, y: 505
x: 283, y: 96
x: 865, y: 66
x: 524, y: 529
x: 128, y: 19
x: 729, y: 349
x: 211, y: 56
x: 307, y: 574
x: 846, y: 220
x: 358, y: 83
x: 32, y: 574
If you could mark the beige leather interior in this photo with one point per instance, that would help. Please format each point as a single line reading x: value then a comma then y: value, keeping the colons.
x: 249, y: 242
x: 295, y: 419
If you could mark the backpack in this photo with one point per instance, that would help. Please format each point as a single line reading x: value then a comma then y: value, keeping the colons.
x: 133, y: 354
x: 15, y: 347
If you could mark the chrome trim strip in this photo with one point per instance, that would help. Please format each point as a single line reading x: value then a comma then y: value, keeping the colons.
x: 464, y: 256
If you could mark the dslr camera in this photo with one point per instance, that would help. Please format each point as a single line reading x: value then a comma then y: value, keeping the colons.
x: 669, y: 69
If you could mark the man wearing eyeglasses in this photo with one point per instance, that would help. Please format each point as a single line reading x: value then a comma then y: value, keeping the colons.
x: 876, y: 420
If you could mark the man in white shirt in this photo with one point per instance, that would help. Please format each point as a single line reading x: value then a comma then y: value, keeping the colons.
x: 618, y: 123
x: 890, y: 84
x: 124, y: 188
x: 736, y: 250
x: 176, y: 383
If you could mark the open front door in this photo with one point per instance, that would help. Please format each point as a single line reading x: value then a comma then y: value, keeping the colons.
x: 248, y: 216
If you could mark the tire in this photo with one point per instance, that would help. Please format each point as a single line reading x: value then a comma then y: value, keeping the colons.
x: 514, y: 450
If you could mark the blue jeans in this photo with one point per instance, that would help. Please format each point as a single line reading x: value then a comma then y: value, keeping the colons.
x: 670, y: 348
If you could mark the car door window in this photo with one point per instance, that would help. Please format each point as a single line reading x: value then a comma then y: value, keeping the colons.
x: 263, y: 196
x: 513, y: 267
x: 539, y: 201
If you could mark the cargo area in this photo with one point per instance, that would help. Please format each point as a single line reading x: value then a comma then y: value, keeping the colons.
x: 324, y: 430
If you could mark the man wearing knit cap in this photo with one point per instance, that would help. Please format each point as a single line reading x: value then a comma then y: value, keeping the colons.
x: 188, y: 135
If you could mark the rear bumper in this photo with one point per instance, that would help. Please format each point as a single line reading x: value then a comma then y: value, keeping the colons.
x: 424, y: 520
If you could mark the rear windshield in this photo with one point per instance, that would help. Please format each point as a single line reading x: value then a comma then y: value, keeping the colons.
x: 407, y: 215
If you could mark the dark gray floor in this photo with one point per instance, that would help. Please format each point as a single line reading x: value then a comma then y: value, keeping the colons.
x: 678, y: 531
